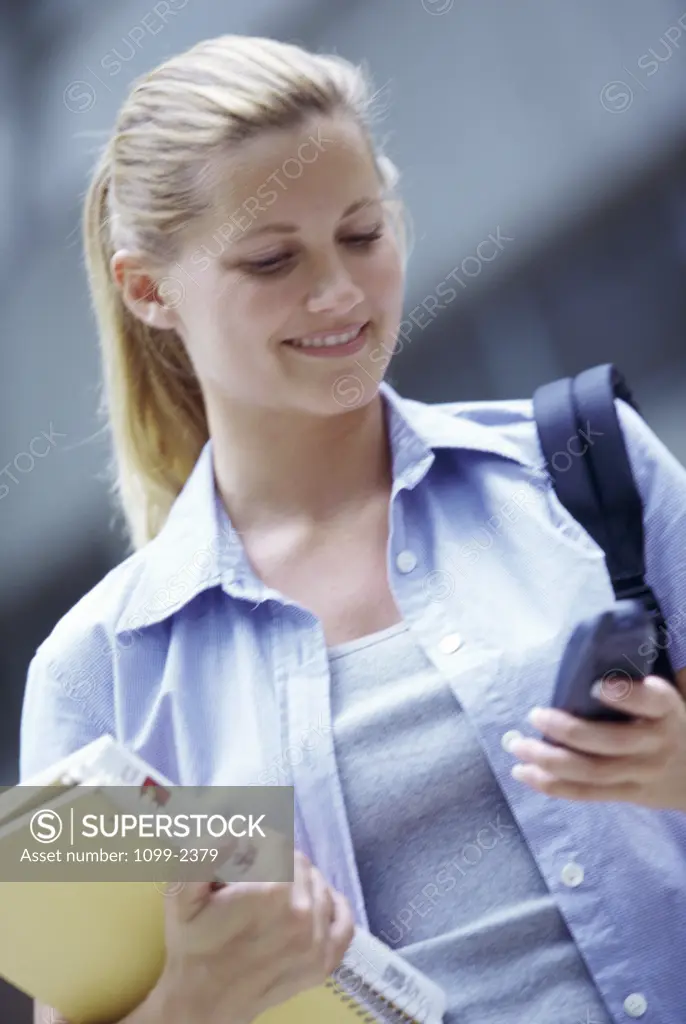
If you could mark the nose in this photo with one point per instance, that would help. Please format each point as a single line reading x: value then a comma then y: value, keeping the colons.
x: 335, y: 291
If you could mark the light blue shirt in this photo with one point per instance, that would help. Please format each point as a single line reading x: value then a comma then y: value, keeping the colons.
x: 185, y: 656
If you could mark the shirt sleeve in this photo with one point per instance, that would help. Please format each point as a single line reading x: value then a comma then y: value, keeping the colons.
x: 661, y: 481
x: 56, y: 718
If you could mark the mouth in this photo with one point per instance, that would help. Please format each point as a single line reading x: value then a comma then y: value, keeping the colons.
x: 343, y: 343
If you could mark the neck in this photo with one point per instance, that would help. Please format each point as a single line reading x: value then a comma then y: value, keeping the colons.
x: 272, y: 465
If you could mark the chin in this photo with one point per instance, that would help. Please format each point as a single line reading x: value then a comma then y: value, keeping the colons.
x: 346, y: 392
x: 354, y: 388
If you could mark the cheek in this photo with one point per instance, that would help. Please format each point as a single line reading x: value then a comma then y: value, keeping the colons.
x: 264, y: 303
x: 385, y: 280
x: 215, y: 329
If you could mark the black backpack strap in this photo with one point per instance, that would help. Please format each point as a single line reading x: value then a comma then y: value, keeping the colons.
x: 587, y: 461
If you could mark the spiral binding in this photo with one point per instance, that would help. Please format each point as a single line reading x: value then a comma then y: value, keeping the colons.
x: 375, y: 1008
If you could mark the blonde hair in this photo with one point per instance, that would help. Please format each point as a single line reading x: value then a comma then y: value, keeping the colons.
x: 146, y: 187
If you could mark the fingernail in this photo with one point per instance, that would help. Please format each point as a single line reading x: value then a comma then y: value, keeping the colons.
x: 537, y: 717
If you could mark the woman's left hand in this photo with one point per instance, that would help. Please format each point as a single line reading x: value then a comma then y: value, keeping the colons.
x: 641, y: 762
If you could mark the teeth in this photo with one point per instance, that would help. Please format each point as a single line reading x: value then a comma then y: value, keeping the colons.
x: 327, y: 340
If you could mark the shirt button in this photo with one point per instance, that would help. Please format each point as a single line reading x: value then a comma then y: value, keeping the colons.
x: 636, y: 1004
x: 572, y: 874
x: 508, y: 737
x: 406, y: 561
x: 450, y: 643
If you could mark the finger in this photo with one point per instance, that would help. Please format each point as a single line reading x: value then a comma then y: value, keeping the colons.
x: 302, y: 897
x: 568, y: 765
x: 543, y: 782
x: 323, y: 908
x: 302, y: 892
x: 606, y: 739
x: 651, y: 698
x: 341, y: 930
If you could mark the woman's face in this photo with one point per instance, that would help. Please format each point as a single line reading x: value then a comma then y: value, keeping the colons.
x: 300, y: 246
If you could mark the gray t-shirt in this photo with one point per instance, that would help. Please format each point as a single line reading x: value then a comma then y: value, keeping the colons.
x: 447, y: 877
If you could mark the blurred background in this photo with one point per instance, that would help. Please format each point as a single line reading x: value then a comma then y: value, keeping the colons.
x: 554, y: 133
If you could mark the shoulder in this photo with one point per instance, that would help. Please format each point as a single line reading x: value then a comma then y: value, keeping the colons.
x: 508, y: 427
x: 513, y: 421
x: 661, y: 481
x: 69, y: 693
x: 654, y: 465
x: 146, y: 588
x: 88, y: 628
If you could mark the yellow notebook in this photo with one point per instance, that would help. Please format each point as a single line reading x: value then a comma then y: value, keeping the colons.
x: 93, y: 950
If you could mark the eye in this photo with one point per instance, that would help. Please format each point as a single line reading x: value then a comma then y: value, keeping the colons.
x: 274, y: 264
x: 366, y: 239
x: 268, y: 266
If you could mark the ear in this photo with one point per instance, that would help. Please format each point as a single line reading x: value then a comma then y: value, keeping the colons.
x: 152, y: 299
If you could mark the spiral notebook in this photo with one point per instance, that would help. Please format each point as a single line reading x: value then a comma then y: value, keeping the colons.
x: 92, y: 951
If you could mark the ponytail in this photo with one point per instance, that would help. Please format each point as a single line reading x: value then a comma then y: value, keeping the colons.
x: 151, y: 399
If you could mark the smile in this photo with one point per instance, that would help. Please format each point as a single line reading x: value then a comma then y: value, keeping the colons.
x: 340, y: 343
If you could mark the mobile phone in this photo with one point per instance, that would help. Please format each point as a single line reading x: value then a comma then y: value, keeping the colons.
x: 617, y: 646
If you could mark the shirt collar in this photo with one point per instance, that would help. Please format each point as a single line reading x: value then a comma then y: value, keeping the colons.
x: 417, y: 428
x: 199, y: 548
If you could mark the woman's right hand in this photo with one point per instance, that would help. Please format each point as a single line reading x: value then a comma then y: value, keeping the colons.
x: 234, y: 952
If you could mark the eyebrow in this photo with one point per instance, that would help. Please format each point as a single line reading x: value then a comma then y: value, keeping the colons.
x: 291, y: 228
